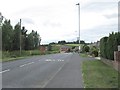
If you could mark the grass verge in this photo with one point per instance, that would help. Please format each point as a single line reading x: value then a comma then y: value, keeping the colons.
x: 99, y: 75
x: 83, y: 55
x: 15, y: 55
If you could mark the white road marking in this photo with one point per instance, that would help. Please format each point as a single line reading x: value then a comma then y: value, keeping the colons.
x: 46, y: 82
x: 48, y: 60
x: 5, y: 71
x: 26, y: 64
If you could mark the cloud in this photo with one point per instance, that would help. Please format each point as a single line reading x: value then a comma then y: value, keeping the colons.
x: 98, y: 32
x: 99, y: 6
x: 115, y: 15
x: 58, y: 19
x: 27, y: 21
x: 51, y: 24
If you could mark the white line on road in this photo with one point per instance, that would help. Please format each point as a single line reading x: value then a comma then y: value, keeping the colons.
x: 5, y: 71
x: 46, y: 82
x: 26, y: 64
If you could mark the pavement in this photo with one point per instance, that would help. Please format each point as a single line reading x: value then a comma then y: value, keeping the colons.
x: 48, y: 71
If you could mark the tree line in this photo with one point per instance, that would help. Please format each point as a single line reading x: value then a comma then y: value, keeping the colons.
x: 65, y: 42
x: 109, y: 44
x: 12, y: 36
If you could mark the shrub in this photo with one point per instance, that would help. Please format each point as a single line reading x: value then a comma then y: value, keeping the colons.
x: 108, y: 45
x: 86, y: 48
x: 95, y: 53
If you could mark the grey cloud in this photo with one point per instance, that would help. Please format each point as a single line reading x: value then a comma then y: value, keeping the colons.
x: 27, y: 21
x: 98, y: 32
x: 52, y: 24
x: 115, y: 15
x: 35, y: 10
x: 99, y: 6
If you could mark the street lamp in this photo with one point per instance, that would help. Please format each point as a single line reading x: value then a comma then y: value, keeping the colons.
x: 79, y: 22
x: 119, y: 16
x: 20, y: 38
x: 1, y: 18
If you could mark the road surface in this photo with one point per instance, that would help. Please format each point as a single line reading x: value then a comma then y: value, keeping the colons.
x: 47, y: 71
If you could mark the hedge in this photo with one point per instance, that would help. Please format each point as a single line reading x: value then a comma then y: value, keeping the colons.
x: 109, y: 44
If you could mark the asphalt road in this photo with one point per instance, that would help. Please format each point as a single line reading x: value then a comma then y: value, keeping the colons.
x: 47, y: 71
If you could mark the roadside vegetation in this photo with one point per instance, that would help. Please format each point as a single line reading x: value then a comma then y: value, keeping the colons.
x: 109, y: 44
x: 83, y: 54
x: 99, y: 75
x: 89, y: 50
x: 15, y: 55
x: 72, y: 45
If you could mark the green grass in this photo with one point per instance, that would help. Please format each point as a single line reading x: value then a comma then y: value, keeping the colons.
x: 15, y: 55
x: 11, y: 59
x: 83, y: 55
x: 72, y: 44
x: 56, y: 47
x: 98, y: 75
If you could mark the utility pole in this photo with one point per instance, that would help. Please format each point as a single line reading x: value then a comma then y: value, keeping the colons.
x: 79, y: 23
x: 20, y: 37
x: 119, y: 16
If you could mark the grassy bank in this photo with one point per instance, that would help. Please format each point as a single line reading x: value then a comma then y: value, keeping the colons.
x: 83, y: 55
x: 15, y: 55
x: 98, y: 75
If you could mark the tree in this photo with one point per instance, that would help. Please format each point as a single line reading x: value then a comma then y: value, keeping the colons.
x: 109, y: 44
x: 86, y: 48
x: 30, y: 41
x: 16, y: 39
x: 23, y: 38
x: 36, y: 39
x: 62, y: 42
x: 103, y: 47
x: 7, y: 35
x: 33, y: 40
x: 82, y: 42
x: 49, y: 47
x: 110, y: 47
x: 11, y: 37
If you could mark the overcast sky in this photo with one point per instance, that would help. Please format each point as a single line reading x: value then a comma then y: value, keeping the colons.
x: 57, y: 20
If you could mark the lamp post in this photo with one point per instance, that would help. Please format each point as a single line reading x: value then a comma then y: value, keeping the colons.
x: 79, y: 22
x: 20, y: 38
x: 1, y: 18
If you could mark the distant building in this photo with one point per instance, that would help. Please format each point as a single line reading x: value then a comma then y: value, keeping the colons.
x: 97, y: 44
x: 64, y: 49
x: 76, y: 49
x: 43, y: 48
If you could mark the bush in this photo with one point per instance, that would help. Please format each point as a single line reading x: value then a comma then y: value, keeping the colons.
x: 108, y: 45
x: 103, y: 47
x: 86, y: 48
x: 35, y: 52
x: 95, y: 53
